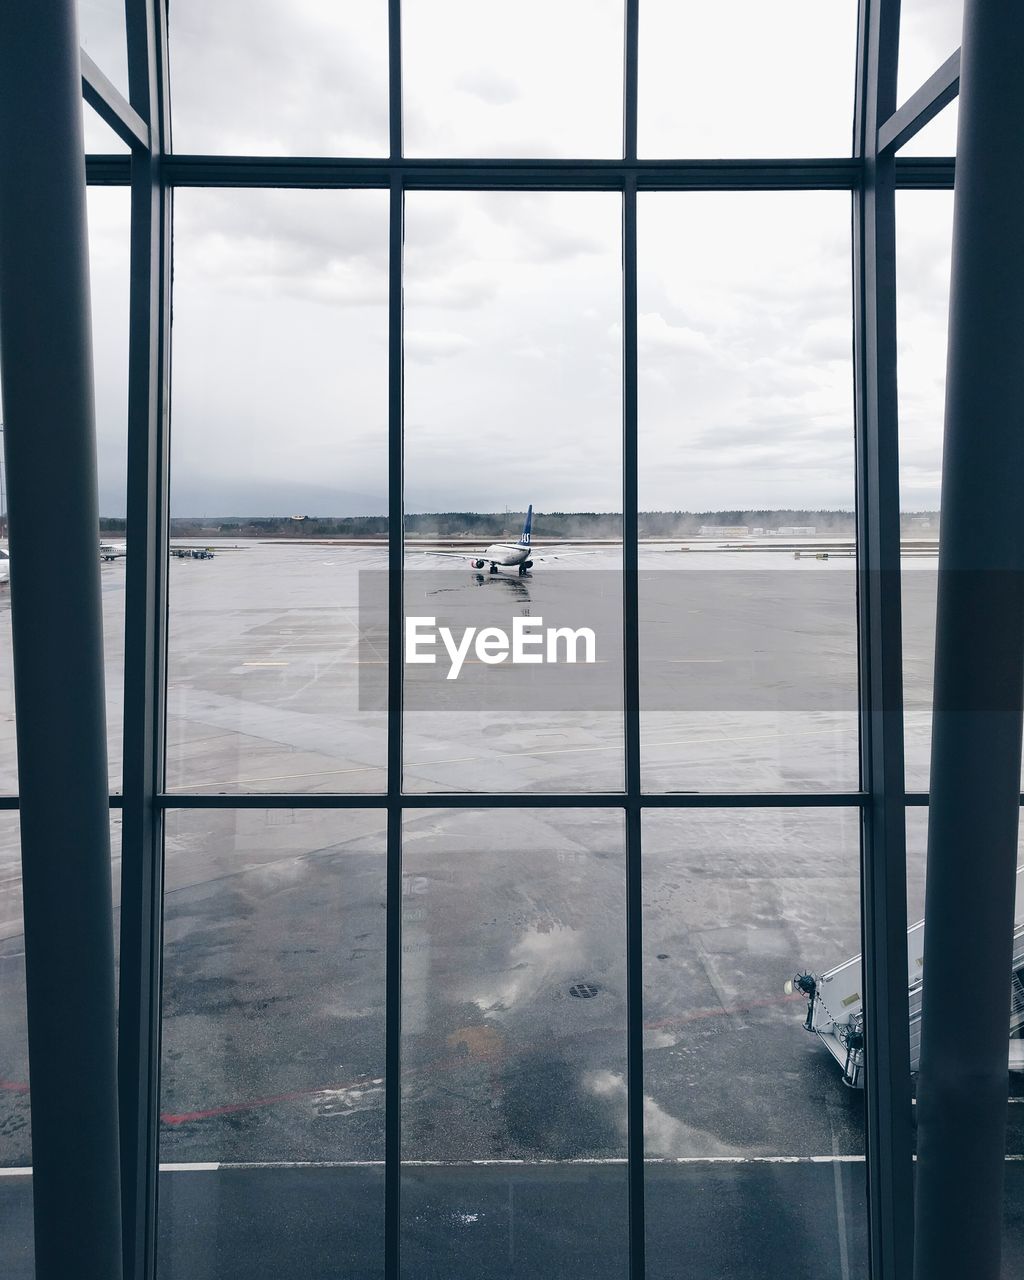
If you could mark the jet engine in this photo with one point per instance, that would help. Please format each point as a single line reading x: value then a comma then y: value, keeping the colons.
x: 527, y: 564
x: 478, y: 564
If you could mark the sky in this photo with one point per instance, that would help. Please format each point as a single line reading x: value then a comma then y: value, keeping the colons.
x: 513, y: 301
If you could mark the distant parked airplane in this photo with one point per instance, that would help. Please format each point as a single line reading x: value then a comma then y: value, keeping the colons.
x: 506, y: 555
x: 5, y: 567
x: 112, y: 550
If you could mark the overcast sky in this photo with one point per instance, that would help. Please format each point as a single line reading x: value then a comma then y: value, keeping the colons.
x: 512, y: 301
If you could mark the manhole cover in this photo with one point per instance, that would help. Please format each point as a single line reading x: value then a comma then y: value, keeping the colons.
x: 584, y: 990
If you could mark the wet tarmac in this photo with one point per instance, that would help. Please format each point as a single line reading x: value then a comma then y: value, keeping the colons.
x: 513, y: 952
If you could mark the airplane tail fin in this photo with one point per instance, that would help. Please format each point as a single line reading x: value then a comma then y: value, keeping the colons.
x: 524, y: 537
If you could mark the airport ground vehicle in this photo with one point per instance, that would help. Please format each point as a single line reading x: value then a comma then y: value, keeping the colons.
x: 192, y: 553
x: 835, y: 1009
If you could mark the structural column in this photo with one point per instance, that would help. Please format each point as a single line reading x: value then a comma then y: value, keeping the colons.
x: 46, y: 372
x: 979, y: 666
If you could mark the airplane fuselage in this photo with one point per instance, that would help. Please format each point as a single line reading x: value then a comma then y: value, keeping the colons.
x: 505, y: 554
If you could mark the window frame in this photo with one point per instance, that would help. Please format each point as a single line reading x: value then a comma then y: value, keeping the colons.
x: 872, y: 174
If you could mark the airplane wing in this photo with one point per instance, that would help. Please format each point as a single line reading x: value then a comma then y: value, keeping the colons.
x: 565, y: 553
x: 469, y: 554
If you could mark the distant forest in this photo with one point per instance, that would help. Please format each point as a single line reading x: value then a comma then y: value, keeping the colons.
x: 553, y: 524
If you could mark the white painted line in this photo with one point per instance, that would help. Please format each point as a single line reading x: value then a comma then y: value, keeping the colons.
x: 242, y: 1165
x: 16, y: 1173
x: 501, y: 1164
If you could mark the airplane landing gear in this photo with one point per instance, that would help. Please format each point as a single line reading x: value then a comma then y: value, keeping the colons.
x: 494, y: 568
x: 522, y: 571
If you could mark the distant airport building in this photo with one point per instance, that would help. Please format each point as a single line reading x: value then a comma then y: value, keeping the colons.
x: 797, y: 530
x: 723, y: 531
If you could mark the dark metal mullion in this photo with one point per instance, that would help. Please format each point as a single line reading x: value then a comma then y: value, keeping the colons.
x: 139, y: 1019
x: 396, y: 550
x: 883, y: 828
x: 941, y: 87
x: 589, y: 800
x: 515, y: 800
x: 482, y: 173
x: 631, y: 682
x: 396, y: 558
x: 111, y: 107
x: 297, y: 173
x: 631, y: 666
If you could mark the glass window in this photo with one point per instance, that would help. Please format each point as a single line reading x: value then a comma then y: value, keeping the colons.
x: 747, y: 590
x: 750, y: 1132
x: 100, y: 139
x: 16, y: 1239
x: 8, y: 735
x: 279, y: 460
x: 531, y: 79
x: 514, y: 1042
x: 109, y: 213
x: 924, y: 230
x: 930, y: 31
x: 270, y: 77
x: 938, y: 137
x: 513, y: 400
x: 746, y: 79
x: 102, y: 31
x: 273, y: 1041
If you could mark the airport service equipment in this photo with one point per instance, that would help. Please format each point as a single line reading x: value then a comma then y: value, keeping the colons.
x: 835, y: 1007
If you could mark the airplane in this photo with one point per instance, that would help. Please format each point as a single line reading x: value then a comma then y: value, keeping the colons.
x: 5, y: 567
x: 111, y: 550
x: 506, y: 555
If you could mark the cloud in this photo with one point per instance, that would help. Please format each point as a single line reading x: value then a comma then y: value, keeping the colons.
x: 251, y: 77
x: 513, y: 300
x: 657, y: 335
x: 330, y: 247
x: 488, y: 86
x: 435, y: 344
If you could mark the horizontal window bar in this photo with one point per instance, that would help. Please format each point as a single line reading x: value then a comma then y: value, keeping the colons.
x: 520, y: 175
x: 516, y: 800
x: 519, y: 800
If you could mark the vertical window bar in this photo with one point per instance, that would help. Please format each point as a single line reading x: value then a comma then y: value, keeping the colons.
x: 883, y: 840
x: 631, y: 648
x: 631, y: 669
x: 396, y: 547
x: 395, y: 77
x: 145, y: 635
x: 396, y: 562
x: 630, y: 79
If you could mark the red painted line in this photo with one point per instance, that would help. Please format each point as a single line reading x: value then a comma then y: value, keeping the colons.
x: 228, y: 1108
x: 451, y: 1063
x: 442, y: 1064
